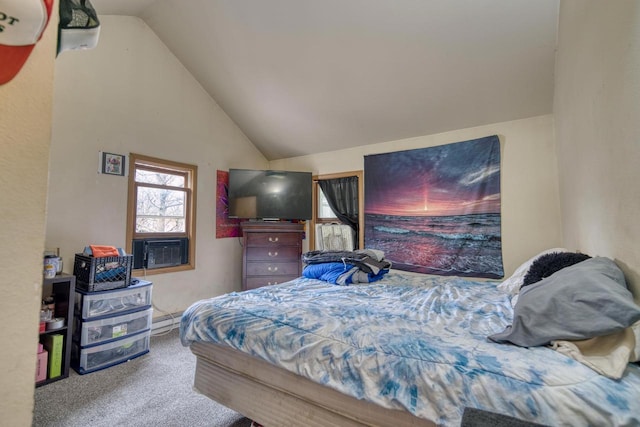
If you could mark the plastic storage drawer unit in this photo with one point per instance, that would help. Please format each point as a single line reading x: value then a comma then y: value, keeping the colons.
x: 117, y: 301
x: 93, y: 332
x: 89, y: 359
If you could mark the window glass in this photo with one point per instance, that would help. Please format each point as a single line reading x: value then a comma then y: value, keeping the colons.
x: 160, y: 210
x: 324, y: 211
x: 159, y: 178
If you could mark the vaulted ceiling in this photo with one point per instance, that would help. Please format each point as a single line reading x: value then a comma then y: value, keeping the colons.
x: 307, y: 76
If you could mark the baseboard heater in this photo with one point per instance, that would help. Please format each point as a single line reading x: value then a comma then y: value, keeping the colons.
x: 165, y: 323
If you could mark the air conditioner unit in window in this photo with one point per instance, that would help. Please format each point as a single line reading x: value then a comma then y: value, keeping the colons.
x: 159, y: 253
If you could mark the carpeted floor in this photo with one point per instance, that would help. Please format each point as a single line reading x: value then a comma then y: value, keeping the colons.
x: 152, y: 390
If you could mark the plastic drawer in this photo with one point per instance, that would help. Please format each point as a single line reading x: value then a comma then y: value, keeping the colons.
x: 90, y: 359
x: 93, y: 332
x: 91, y: 305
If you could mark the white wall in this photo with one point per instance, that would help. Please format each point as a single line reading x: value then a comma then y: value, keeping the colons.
x: 597, y: 121
x: 530, y: 201
x: 130, y: 94
x: 25, y: 132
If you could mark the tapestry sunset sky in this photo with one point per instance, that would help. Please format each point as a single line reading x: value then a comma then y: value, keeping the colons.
x: 452, y: 179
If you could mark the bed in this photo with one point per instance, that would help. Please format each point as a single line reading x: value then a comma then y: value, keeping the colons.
x: 405, y: 350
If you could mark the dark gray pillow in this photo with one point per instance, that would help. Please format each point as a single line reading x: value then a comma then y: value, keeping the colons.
x: 579, y: 302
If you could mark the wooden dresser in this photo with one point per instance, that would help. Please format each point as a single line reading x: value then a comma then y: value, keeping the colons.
x: 271, y: 253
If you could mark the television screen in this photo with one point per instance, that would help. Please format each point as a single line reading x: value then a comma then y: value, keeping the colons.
x: 269, y: 194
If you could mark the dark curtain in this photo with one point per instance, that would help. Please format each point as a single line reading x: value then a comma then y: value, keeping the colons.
x: 342, y: 195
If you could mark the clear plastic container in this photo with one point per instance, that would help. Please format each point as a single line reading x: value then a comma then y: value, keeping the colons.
x: 91, y: 305
x: 92, y: 332
x: 89, y: 359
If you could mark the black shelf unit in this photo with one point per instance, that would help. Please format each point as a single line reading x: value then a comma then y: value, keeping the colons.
x: 63, y: 288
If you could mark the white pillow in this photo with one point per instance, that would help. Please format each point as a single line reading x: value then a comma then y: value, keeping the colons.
x: 512, y: 284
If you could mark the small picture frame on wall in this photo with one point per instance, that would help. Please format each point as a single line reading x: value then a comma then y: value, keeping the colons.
x: 112, y: 164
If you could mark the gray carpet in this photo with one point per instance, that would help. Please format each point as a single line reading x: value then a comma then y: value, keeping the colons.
x: 152, y: 390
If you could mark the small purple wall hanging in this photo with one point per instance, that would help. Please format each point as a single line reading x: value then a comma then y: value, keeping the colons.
x: 225, y: 226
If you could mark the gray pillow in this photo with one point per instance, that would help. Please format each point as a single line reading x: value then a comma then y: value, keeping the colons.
x: 582, y: 301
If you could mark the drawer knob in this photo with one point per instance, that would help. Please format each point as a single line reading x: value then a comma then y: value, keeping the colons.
x: 273, y: 254
x: 273, y: 239
x: 274, y: 283
x: 272, y: 268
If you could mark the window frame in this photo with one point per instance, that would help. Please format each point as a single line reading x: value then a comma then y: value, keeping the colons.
x: 317, y: 220
x: 190, y: 174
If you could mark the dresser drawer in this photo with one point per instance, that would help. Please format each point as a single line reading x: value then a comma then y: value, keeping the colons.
x: 259, y: 281
x: 273, y: 239
x: 273, y: 268
x: 275, y: 254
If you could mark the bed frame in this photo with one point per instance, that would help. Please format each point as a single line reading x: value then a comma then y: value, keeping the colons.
x: 273, y: 396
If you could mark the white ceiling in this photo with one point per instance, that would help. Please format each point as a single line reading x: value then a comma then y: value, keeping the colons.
x: 307, y: 76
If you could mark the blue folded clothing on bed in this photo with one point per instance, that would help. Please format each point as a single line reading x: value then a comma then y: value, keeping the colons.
x: 367, y: 260
x: 329, y: 272
x: 340, y: 273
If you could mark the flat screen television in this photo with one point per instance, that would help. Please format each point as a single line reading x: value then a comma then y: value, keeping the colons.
x: 269, y: 194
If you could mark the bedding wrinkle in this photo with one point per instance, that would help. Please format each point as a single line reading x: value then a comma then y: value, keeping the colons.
x: 412, y: 343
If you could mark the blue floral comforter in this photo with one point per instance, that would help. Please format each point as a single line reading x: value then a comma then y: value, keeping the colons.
x: 416, y: 343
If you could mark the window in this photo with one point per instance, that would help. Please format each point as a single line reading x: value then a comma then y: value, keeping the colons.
x: 323, y: 214
x: 161, y: 214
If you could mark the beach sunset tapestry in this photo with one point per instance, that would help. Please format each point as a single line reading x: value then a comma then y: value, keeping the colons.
x: 437, y: 210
